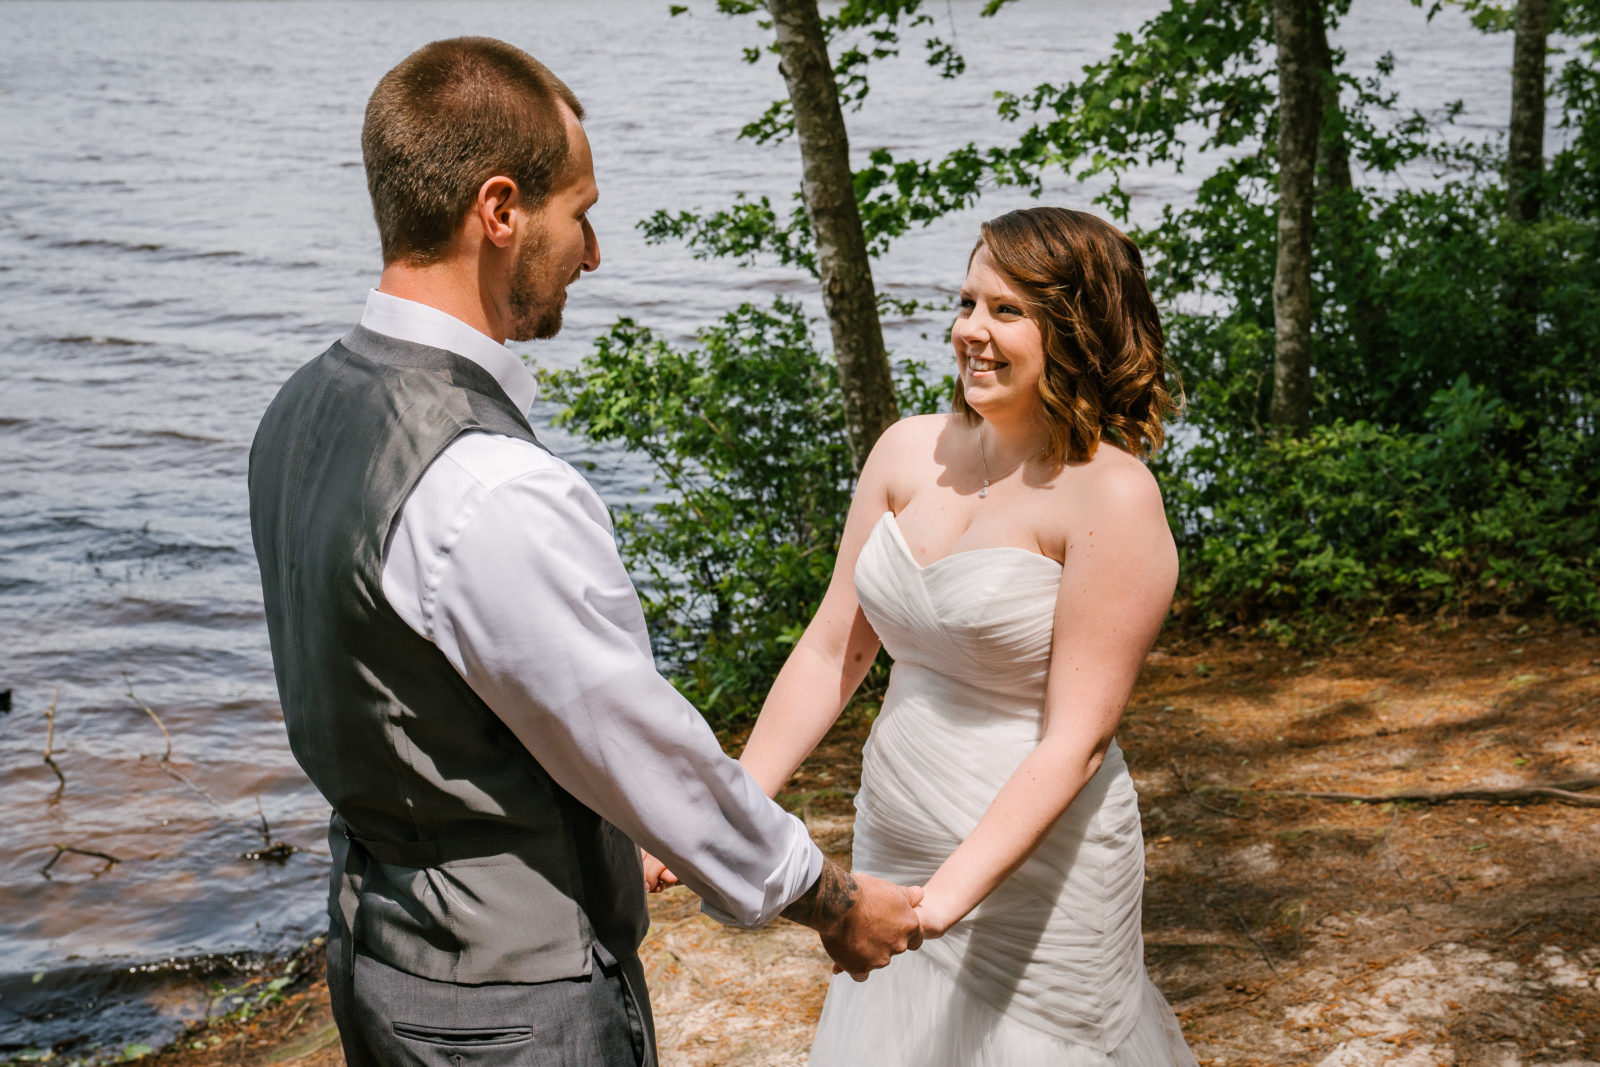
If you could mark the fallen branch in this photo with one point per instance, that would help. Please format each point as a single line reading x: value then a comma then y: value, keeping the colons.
x: 50, y: 744
x: 1253, y: 940
x: 295, y: 1021
x: 1184, y: 783
x: 274, y: 851
x: 270, y: 850
x: 1517, y: 929
x: 167, y: 755
x: 277, y: 852
x: 1567, y: 792
x: 166, y: 758
x: 1562, y: 792
x: 62, y: 850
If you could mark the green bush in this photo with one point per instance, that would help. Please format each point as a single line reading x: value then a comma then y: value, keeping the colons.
x: 745, y: 430
x: 1451, y: 467
x: 1298, y: 537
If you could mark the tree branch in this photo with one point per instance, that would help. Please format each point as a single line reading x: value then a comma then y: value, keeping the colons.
x: 167, y: 755
x: 62, y: 850
x: 49, y: 746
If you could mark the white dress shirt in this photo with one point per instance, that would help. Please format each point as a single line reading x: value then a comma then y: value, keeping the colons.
x: 503, y: 557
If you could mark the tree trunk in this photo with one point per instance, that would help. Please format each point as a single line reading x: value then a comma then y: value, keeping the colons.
x: 1525, y: 160
x: 1299, y: 130
x: 1342, y: 200
x: 1333, y: 151
x: 829, y: 191
x: 1524, y: 169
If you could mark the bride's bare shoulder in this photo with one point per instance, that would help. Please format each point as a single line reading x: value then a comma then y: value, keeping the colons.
x: 909, y: 455
x: 916, y: 437
x: 1113, y: 485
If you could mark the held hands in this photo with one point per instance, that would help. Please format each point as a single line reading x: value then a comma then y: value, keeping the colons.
x: 884, y: 923
x: 863, y: 921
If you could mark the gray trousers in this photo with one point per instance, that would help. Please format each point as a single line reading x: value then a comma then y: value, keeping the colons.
x: 387, y: 1017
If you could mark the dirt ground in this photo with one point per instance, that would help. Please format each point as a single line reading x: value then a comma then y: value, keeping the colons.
x: 1285, y: 929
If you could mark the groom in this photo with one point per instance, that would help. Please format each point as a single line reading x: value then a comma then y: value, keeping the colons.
x: 461, y: 658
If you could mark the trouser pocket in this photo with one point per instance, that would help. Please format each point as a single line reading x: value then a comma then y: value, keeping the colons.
x: 450, y: 1035
x: 441, y: 1046
x: 408, y: 1021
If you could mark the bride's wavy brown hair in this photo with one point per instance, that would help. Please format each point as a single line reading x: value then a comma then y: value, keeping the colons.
x: 1104, y: 372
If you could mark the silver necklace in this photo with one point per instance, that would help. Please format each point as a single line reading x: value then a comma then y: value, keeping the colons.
x: 983, y: 459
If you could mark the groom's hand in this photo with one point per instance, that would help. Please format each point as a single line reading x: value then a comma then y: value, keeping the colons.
x: 656, y: 875
x: 863, y: 921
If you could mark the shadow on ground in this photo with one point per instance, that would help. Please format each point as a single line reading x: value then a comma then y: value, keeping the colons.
x: 1285, y: 930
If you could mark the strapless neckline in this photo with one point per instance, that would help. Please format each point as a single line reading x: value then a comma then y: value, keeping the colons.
x: 899, y: 537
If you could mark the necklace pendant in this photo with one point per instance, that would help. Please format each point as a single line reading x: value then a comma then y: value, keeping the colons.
x: 985, y: 490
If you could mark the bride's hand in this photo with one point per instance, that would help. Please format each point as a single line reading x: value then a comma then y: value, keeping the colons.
x: 933, y: 925
x: 656, y: 875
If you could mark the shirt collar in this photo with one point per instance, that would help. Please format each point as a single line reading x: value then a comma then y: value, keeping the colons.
x: 421, y: 324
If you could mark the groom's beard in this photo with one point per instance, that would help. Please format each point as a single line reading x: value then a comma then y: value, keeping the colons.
x: 536, y: 302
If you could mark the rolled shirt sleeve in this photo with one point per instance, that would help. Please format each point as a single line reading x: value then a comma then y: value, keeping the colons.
x: 504, y: 558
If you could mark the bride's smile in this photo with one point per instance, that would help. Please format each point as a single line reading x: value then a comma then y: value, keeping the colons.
x: 979, y: 365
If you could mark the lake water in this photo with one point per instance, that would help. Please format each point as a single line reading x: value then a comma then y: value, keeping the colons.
x: 183, y: 221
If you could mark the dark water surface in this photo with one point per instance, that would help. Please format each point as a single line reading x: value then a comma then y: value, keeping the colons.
x: 183, y: 221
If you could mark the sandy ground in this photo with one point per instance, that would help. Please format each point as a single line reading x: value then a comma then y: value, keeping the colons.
x: 1285, y: 929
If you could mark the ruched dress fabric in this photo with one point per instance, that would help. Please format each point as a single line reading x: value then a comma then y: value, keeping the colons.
x: 1049, y: 969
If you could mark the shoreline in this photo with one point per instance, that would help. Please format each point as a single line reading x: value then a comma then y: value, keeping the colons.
x: 157, y: 1002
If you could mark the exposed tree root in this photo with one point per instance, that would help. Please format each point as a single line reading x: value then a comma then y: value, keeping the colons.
x: 1561, y: 792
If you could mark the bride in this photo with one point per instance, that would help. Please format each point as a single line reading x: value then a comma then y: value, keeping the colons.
x: 1015, y: 560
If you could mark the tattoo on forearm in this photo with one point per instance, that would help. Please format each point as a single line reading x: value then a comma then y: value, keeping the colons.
x: 830, y: 897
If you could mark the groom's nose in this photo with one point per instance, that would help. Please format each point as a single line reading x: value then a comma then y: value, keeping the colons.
x: 591, y: 247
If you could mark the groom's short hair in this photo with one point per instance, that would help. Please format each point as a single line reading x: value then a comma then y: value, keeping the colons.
x: 450, y: 116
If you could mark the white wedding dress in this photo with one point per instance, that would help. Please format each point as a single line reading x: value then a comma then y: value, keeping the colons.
x: 1049, y: 969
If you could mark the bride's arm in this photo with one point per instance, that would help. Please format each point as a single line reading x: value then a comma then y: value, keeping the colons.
x: 838, y: 646
x: 1116, y: 585
x: 831, y: 657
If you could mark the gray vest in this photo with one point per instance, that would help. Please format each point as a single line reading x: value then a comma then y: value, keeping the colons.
x: 455, y: 856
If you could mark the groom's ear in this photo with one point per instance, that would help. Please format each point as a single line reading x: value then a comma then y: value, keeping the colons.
x: 497, y: 199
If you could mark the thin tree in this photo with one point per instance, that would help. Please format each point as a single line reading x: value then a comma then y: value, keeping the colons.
x: 829, y: 193
x: 1339, y: 194
x: 1525, y: 163
x: 1525, y: 159
x: 1300, y: 106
